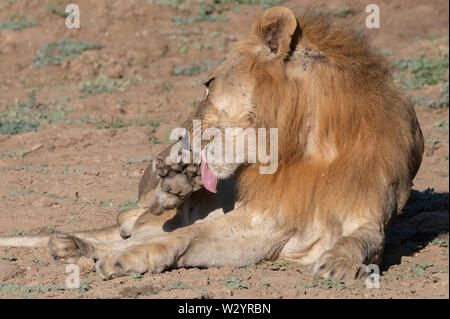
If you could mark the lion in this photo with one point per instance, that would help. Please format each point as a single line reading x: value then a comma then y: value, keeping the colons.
x: 349, y: 148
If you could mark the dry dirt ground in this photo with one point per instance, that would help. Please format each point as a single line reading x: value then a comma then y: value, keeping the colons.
x: 76, y: 135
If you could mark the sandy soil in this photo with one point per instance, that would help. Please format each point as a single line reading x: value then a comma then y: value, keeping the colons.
x: 72, y: 175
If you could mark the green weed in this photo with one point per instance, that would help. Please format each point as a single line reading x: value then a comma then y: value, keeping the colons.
x: 234, y: 282
x: 142, y: 159
x: 418, y: 269
x: 325, y: 284
x: 14, y: 192
x: 127, y: 205
x: 78, y: 169
x: 211, y: 11
x: 196, y: 68
x: 16, y: 25
x: 136, y: 276
x: 441, y: 242
x: 419, y: 72
x: 117, y: 122
x: 29, y: 115
x: 9, y: 257
x: 134, y: 292
x: 3, y: 2
x: 56, y: 52
x: 177, y: 284
x: 104, y: 84
x: 57, y: 11
x: 154, y: 140
x: 199, y: 39
x: 18, y: 153
x: 343, y: 11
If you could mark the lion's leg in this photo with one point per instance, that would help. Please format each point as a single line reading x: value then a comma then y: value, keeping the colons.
x: 146, y: 226
x: 348, y: 257
x: 239, y: 238
x: 70, y: 247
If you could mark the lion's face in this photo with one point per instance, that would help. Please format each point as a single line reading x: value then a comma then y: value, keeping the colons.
x: 233, y: 91
x: 227, y: 104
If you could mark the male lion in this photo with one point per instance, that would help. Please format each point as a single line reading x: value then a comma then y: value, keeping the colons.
x: 349, y: 148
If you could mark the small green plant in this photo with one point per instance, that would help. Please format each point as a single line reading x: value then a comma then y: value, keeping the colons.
x: 440, y: 103
x: 57, y: 11
x: 78, y: 169
x: 106, y: 203
x: 56, y: 52
x: 211, y: 11
x: 279, y: 265
x: 16, y: 25
x: 390, y: 276
x: 198, y: 38
x: 18, y: 153
x: 134, y: 292
x: 234, y: 282
x: 142, y: 159
x: 441, y: 123
x: 37, y: 261
x: 325, y: 284
x: 166, y: 87
x: 177, y: 284
x: 418, y: 268
x: 443, y: 100
x: 153, y: 123
x: 115, y: 122
x: 104, y: 84
x: 194, y: 69
x: 29, y: 115
x: 384, y: 51
x: 441, y: 242
x: 419, y: 72
x: 9, y: 257
x: 169, y: 3
x: 18, y: 232
x: 433, y: 140
x: 127, y: 205
x: 136, y: 276
x: 154, y: 140
x: 13, y: 192
x: 2, y: 2
x: 264, y: 284
x: 16, y: 289
x: 343, y: 11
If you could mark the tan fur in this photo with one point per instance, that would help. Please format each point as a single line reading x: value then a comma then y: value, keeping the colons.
x: 349, y: 148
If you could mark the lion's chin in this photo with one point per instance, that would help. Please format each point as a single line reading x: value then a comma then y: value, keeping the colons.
x: 223, y: 171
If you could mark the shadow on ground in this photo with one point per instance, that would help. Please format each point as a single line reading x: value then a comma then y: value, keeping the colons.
x: 424, y: 219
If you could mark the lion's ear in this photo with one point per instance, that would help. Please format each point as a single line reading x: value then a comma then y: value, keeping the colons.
x: 275, y: 29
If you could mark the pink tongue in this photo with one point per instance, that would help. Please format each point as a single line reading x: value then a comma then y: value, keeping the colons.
x: 209, y: 180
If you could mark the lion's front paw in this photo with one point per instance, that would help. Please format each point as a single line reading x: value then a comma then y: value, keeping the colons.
x: 68, y: 249
x: 119, y: 264
x: 329, y: 266
x: 179, y: 179
x: 150, y: 257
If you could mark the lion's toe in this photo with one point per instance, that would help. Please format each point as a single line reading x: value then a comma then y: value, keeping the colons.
x: 119, y: 264
x: 338, y: 268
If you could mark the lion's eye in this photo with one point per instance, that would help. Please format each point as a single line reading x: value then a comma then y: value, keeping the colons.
x: 208, y: 83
